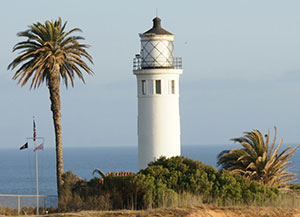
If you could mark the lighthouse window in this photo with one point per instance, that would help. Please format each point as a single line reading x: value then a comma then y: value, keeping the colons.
x: 144, y: 87
x: 158, y: 86
x: 173, y: 86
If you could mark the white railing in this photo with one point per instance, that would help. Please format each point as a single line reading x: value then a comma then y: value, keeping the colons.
x: 18, y: 201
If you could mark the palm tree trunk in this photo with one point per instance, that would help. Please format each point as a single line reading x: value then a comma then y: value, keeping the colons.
x: 55, y: 108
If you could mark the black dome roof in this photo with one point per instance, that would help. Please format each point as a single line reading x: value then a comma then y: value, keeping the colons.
x: 156, y: 29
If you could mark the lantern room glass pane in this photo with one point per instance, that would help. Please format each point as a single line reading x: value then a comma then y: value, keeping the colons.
x: 157, y: 53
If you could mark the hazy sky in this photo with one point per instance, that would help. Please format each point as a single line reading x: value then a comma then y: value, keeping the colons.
x: 241, y: 62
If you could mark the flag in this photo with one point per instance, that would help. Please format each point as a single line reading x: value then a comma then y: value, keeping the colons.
x: 24, y: 146
x: 40, y: 147
x: 34, y: 131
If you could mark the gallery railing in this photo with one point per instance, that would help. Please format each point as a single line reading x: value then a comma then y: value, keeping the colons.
x: 139, y: 63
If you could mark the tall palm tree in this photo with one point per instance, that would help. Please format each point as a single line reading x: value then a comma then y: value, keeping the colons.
x: 259, y: 161
x: 50, y: 54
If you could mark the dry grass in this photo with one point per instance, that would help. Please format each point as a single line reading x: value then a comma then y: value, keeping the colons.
x: 191, y: 211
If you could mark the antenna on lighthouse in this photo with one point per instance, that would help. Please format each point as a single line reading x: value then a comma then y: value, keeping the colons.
x: 156, y: 12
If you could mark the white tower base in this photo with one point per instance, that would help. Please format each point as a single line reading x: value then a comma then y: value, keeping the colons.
x: 158, y: 115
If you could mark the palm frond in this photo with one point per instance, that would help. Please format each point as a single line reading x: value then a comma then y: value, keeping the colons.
x: 47, y: 46
x: 257, y: 161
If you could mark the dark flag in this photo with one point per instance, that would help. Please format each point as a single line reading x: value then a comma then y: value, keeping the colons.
x: 34, y: 131
x: 24, y: 146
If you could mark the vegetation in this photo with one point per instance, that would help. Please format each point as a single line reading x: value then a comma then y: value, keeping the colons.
x: 50, y: 54
x: 25, y: 210
x: 259, y: 161
x: 164, y: 183
x: 294, y: 186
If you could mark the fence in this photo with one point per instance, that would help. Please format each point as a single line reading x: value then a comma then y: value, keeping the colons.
x: 17, y: 201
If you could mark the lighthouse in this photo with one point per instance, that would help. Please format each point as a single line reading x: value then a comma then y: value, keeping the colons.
x: 157, y: 72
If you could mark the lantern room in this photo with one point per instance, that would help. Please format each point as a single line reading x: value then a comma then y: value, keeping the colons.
x: 157, y: 47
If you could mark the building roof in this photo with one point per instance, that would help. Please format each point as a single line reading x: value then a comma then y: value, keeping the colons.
x: 157, y: 29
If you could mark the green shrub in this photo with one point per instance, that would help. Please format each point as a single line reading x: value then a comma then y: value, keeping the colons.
x: 164, y: 183
x: 186, y: 175
x: 294, y: 186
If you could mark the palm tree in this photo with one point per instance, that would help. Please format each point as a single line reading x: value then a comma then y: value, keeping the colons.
x: 50, y: 54
x: 259, y: 161
x: 99, y: 172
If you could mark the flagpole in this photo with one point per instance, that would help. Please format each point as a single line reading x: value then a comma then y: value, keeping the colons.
x: 37, y: 179
x: 36, y: 168
x: 36, y: 148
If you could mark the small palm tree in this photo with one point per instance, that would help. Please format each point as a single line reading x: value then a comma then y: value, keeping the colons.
x: 259, y: 161
x: 50, y: 54
x: 99, y: 172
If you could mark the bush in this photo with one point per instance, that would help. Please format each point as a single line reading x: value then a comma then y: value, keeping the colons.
x: 186, y: 175
x: 294, y: 186
x: 164, y: 183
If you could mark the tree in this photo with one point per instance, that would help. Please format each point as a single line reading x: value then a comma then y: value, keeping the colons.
x: 259, y: 161
x: 50, y: 54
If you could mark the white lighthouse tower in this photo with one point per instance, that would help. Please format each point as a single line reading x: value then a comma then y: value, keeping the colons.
x: 157, y: 73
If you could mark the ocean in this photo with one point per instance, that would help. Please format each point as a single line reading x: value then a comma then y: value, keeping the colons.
x: 17, y: 168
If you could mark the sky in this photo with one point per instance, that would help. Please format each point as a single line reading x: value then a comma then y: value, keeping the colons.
x: 241, y: 70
